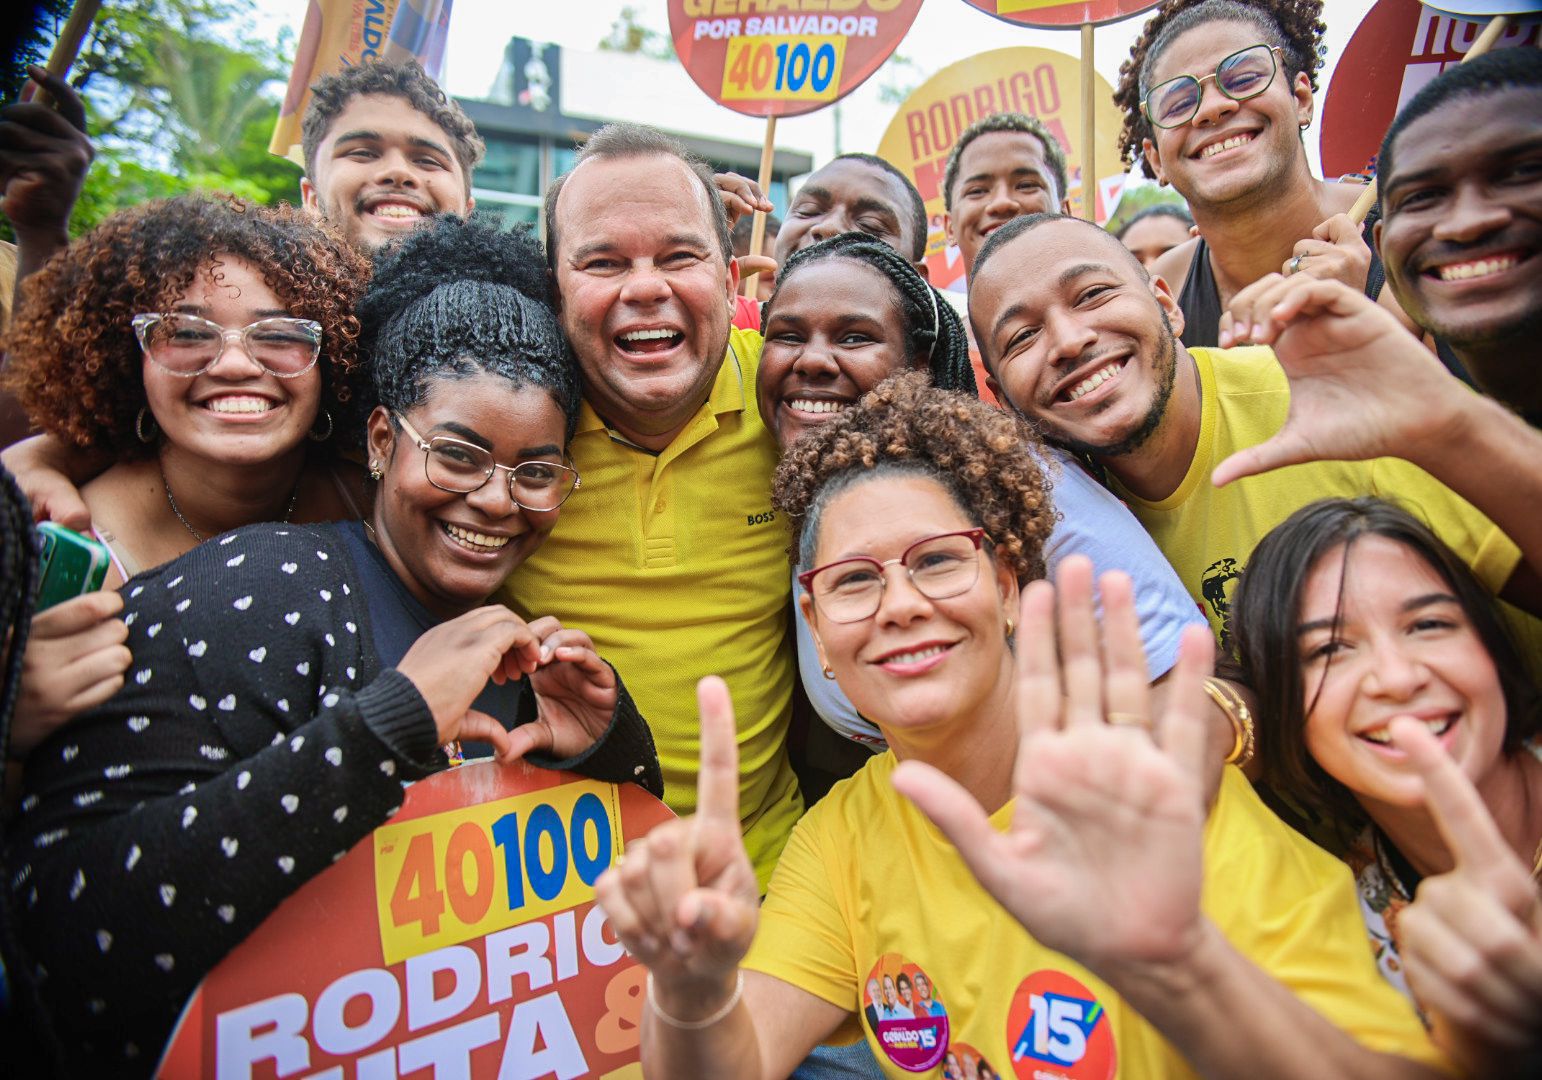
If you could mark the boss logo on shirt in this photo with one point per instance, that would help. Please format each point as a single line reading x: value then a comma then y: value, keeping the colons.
x: 760, y: 519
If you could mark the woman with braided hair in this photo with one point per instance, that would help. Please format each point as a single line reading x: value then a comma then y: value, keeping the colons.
x: 1217, y: 95
x: 849, y: 312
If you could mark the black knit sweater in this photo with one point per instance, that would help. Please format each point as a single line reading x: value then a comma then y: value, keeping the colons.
x: 256, y: 740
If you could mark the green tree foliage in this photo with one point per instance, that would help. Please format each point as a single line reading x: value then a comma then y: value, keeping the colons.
x: 1137, y: 198
x: 181, y: 96
x: 629, y: 35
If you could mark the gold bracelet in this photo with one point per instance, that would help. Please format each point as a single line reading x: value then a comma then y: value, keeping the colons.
x: 706, y: 1022
x: 1230, y: 702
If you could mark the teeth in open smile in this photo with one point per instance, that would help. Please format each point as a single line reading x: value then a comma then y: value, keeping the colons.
x: 914, y: 657
x: 1382, y: 737
x: 1225, y: 144
x: 1095, y: 380
x: 1479, y: 268
x: 238, y: 405
x: 474, y: 540
x: 822, y: 408
x: 648, y: 335
x: 396, y: 210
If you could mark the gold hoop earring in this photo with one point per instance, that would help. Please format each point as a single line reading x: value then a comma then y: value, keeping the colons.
x: 139, y: 427
x: 829, y: 673
x: 1011, y: 626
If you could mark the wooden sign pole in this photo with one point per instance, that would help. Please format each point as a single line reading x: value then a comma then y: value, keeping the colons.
x: 1089, y: 129
x: 758, y: 227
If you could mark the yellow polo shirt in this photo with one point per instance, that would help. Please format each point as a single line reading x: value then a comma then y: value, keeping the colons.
x: 676, y: 566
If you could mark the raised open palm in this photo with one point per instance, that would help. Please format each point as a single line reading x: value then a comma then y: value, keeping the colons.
x: 1102, y: 858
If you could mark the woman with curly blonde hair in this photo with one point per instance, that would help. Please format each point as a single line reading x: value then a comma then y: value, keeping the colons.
x: 1085, y: 943
x: 1217, y: 96
x: 207, y: 349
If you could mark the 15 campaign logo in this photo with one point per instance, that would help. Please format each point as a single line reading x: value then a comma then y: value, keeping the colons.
x: 1057, y: 1022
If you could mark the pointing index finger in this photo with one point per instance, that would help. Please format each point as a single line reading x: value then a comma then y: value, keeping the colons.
x: 717, y: 786
x: 1456, y: 806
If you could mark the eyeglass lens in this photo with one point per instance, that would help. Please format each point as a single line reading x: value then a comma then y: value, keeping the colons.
x: 939, y: 567
x: 536, y: 485
x: 188, y: 345
x: 1240, y: 76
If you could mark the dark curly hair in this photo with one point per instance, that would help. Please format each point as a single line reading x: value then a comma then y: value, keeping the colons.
x: 1295, y: 26
x: 75, y: 363
x: 933, y: 328
x: 404, y: 79
x: 984, y: 457
x: 1265, y: 613
x: 456, y: 298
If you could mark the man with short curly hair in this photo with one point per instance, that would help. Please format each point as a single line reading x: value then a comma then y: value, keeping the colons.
x: 385, y: 149
x: 1002, y: 166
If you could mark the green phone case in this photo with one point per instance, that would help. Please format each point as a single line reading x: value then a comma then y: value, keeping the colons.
x: 70, y: 564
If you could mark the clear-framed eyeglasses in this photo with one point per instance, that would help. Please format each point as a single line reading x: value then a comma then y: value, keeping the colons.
x: 850, y: 590
x: 462, y: 467
x: 1242, y: 75
x: 188, y: 345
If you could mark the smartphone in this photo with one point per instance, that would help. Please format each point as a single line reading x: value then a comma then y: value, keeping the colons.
x: 70, y: 564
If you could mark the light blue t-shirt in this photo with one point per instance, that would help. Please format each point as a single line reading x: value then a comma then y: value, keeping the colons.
x: 1091, y: 522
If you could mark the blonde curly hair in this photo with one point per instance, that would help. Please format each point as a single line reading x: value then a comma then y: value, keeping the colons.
x: 988, y: 460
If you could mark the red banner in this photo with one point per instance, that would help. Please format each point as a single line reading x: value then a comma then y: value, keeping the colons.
x: 1398, y: 47
x: 461, y: 935
x: 1058, y: 14
x: 804, y: 56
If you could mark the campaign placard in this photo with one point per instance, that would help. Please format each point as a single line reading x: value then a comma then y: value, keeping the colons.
x: 785, y: 57
x: 1058, y: 14
x: 1039, y: 82
x: 1396, y: 50
x: 462, y: 935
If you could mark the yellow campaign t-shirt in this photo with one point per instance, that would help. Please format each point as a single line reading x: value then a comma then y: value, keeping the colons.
x: 1208, y: 533
x: 676, y: 565
x: 868, y: 889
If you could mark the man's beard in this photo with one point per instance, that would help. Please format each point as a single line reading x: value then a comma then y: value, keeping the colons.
x: 1167, y: 370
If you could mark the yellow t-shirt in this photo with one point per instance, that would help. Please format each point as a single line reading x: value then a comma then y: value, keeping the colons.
x: 868, y: 888
x: 676, y: 566
x: 1208, y: 533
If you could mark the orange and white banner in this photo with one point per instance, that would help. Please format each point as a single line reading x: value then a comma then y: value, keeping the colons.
x: 341, y: 33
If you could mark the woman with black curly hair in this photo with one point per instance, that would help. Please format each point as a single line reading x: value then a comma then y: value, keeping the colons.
x: 206, y: 349
x: 288, y: 678
x: 1217, y: 95
x: 1129, y: 934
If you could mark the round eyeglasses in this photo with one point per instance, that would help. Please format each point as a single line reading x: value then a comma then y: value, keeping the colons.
x: 462, y: 467
x: 851, y: 590
x: 1242, y: 75
x: 187, y: 345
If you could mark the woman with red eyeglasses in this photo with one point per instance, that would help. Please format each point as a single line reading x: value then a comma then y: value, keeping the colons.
x: 1055, y: 876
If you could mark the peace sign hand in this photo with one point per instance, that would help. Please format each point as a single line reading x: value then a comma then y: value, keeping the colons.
x: 1472, y: 938
x: 684, y: 900
x: 1102, y: 858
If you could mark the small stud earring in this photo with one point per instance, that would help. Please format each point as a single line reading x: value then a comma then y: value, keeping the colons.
x: 374, y: 471
x: 1011, y: 626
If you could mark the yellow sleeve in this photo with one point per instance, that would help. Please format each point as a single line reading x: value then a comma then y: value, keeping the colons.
x: 1291, y: 908
x: 804, y: 938
x: 1477, y: 541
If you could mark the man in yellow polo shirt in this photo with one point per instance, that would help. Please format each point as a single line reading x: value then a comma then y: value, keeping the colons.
x: 669, y: 557
x: 1080, y: 341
